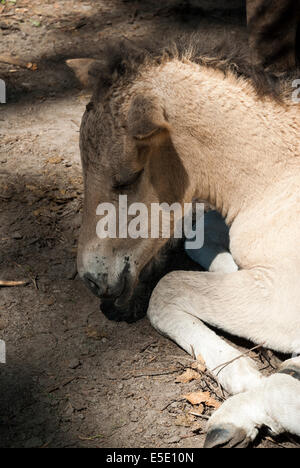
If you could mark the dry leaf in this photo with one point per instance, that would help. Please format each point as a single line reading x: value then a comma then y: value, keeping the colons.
x: 197, y: 411
x: 93, y: 334
x: 55, y: 160
x: 188, y: 376
x: 38, y: 212
x: 32, y: 66
x: 200, y: 364
x: 12, y: 60
x: 32, y: 188
x: 196, y: 398
x: 212, y: 403
x: 49, y: 301
x: 184, y: 420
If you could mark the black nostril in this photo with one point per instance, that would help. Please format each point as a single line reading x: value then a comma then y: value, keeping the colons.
x: 99, y: 286
x: 92, y: 284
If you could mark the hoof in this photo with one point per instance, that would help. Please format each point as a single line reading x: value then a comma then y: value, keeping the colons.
x: 227, y: 436
x: 292, y: 371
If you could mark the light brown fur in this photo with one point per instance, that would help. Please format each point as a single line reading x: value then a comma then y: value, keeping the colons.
x: 240, y: 153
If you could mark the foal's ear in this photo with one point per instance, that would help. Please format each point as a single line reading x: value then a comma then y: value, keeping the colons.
x: 146, y: 119
x: 86, y: 70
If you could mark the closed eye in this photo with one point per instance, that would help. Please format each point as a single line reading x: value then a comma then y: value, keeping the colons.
x: 128, y: 183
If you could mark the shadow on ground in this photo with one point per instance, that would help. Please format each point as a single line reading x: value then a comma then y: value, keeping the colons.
x: 75, y: 35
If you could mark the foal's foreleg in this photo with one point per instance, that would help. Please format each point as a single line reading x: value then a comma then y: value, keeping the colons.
x: 275, y: 404
x: 175, y: 310
x: 241, y: 304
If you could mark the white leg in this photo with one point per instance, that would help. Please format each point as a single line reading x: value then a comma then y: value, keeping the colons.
x: 174, y: 320
x: 275, y: 404
x: 195, y: 337
x: 249, y: 304
x: 240, y: 304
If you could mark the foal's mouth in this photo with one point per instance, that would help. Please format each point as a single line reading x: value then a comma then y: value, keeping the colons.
x: 125, y: 292
x: 118, y: 293
x: 132, y: 304
x: 118, y: 307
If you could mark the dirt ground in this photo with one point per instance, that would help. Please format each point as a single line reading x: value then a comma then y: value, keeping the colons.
x: 72, y: 378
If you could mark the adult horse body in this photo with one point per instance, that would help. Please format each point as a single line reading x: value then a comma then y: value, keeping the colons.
x: 174, y: 129
x: 274, y: 33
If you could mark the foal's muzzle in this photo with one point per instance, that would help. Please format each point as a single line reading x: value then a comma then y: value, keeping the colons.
x: 99, y: 286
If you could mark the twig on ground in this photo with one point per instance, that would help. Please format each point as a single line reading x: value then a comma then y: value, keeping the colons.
x: 225, y: 364
x: 206, y: 373
x: 73, y: 273
x: 100, y: 436
x: 202, y: 416
x: 191, y: 436
x: 59, y: 386
x: 33, y: 279
x: 193, y: 353
x: 12, y: 284
x: 150, y: 374
x: 270, y: 439
x: 10, y: 60
x: 167, y: 406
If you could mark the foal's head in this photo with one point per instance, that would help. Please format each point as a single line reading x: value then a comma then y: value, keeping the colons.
x: 128, y: 158
x: 158, y: 131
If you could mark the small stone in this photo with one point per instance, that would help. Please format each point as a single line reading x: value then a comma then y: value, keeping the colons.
x: 174, y: 404
x: 134, y: 417
x: 49, y: 301
x: 93, y: 333
x: 173, y: 440
x: 17, y: 236
x: 69, y: 410
x: 74, y: 364
x: 34, y: 442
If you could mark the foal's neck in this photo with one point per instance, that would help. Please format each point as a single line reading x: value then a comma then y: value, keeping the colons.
x: 232, y: 144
